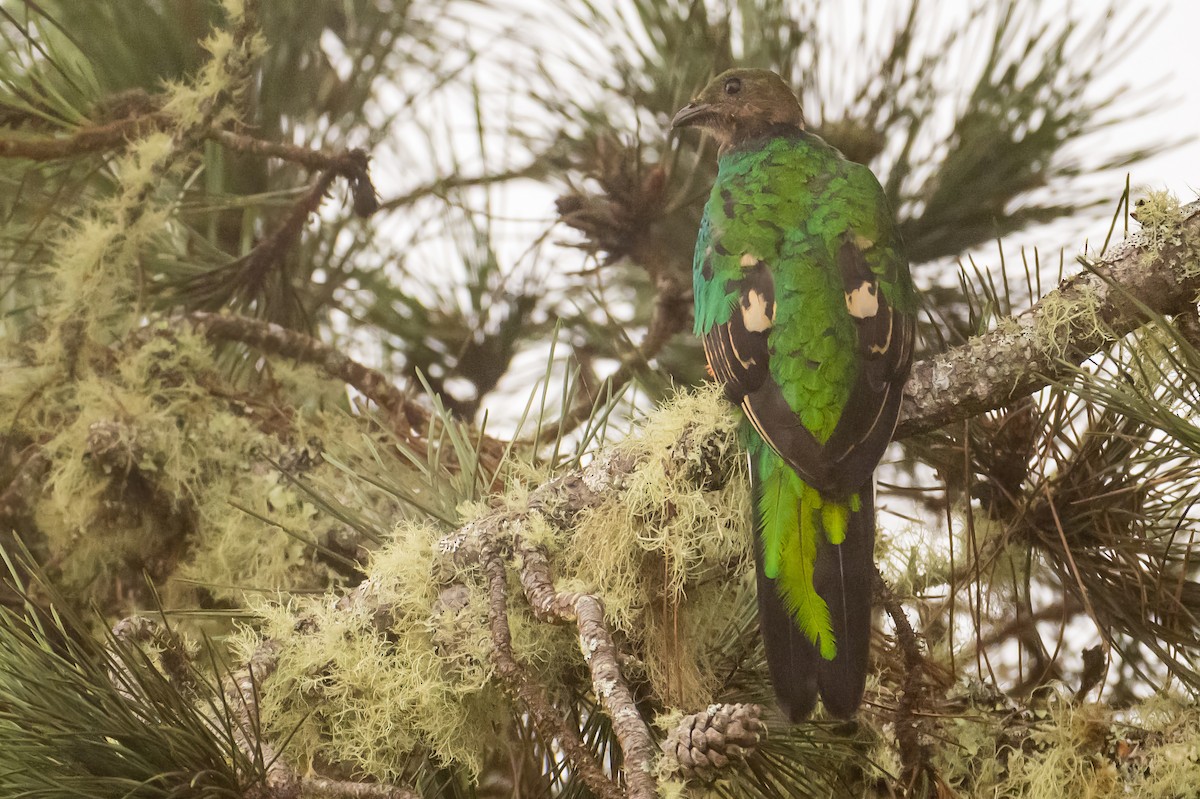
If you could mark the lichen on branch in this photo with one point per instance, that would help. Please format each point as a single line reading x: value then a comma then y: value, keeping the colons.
x: 645, y: 526
x: 1156, y: 270
x: 98, y: 268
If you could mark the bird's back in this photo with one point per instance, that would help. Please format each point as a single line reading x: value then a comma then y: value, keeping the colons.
x: 792, y: 202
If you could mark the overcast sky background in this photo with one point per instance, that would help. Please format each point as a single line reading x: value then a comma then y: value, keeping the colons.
x: 1167, y: 52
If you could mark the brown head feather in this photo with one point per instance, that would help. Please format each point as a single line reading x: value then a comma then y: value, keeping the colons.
x: 742, y: 104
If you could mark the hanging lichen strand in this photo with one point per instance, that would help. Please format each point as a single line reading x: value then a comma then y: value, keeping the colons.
x: 405, y: 662
x: 149, y: 459
x: 97, y: 267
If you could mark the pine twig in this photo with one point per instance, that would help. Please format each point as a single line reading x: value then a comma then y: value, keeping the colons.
x: 280, y: 780
x: 602, y: 656
x: 669, y: 317
x: 174, y: 658
x: 241, y: 698
x: 252, y: 269
x: 350, y: 164
x: 343, y: 163
x: 149, y: 118
x: 275, y: 339
x: 549, y: 724
x: 276, y: 244
x: 17, y: 497
x: 451, y: 183
x: 1188, y: 325
x: 408, y: 419
x: 86, y: 140
x: 1060, y: 612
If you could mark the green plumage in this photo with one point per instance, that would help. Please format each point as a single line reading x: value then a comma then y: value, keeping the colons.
x: 805, y: 305
x: 791, y: 203
x: 786, y: 505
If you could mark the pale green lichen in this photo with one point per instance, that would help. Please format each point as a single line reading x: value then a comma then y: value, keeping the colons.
x: 1061, y: 321
x: 192, y: 476
x: 1159, y: 213
x: 99, y: 255
x: 670, y: 557
x: 1161, y: 217
x: 673, y: 788
x: 1173, y: 767
x: 649, y: 551
x: 408, y: 671
x: 1008, y: 326
x: 365, y: 690
x: 1066, y: 751
x: 1151, y: 750
x: 684, y: 527
x: 192, y: 492
x: 223, y: 73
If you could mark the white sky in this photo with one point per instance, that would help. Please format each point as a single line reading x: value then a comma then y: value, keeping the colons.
x: 1168, y: 53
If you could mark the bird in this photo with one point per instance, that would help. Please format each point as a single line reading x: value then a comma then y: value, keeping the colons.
x: 807, y: 313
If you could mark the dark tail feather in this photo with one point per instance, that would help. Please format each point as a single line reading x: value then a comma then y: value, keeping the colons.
x: 844, y: 577
x: 791, y: 657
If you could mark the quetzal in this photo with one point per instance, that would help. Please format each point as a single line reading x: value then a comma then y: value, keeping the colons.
x: 807, y: 312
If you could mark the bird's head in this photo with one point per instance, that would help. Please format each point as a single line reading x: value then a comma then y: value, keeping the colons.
x: 742, y: 104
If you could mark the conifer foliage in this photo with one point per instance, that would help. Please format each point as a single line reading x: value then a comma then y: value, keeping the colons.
x: 352, y: 442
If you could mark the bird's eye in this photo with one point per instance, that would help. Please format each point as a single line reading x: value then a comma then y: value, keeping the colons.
x: 733, y: 85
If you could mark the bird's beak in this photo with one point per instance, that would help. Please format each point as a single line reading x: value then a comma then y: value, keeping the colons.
x: 690, y: 114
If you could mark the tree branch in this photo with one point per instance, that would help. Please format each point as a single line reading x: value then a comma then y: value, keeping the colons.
x: 350, y: 164
x: 602, y: 656
x: 92, y: 139
x: 914, y: 756
x: 1157, y: 271
x: 559, y: 503
x: 17, y: 498
x: 407, y: 416
x: 408, y: 419
x: 450, y: 183
x: 533, y: 697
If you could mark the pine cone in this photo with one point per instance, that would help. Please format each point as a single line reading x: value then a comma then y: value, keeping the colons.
x: 705, y: 742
